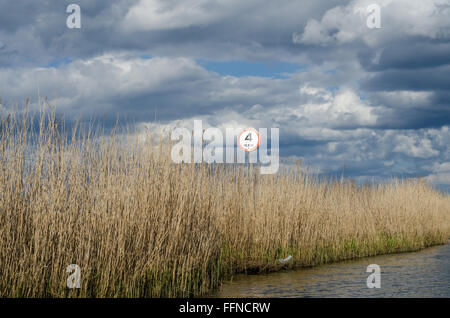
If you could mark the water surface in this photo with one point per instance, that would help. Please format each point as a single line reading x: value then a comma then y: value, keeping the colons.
x: 419, y: 274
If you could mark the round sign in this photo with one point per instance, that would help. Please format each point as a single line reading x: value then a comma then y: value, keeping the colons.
x: 249, y: 139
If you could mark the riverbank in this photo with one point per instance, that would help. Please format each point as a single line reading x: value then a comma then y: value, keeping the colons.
x: 138, y: 225
x: 422, y: 274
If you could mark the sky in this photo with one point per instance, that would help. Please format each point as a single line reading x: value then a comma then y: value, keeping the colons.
x: 375, y: 100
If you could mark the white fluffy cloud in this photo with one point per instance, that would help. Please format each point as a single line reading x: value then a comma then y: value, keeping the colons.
x: 415, y: 147
x: 343, y: 108
x: 103, y: 80
x: 151, y: 15
x: 98, y: 79
x: 440, y: 174
x: 345, y: 24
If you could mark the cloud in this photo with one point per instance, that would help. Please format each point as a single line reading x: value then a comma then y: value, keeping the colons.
x: 344, y: 109
x: 400, y: 18
x: 216, y: 30
x: 440, y: 175
x: 415, y: 148
x: 326, y: 126
x: 180, y: 87
x: 151, y: 15
x: 375, y: 100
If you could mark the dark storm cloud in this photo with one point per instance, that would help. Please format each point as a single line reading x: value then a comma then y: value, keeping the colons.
x: 423, y: 79
x: 19, y: 14
x: 411, y: 54
x: 245, y: 29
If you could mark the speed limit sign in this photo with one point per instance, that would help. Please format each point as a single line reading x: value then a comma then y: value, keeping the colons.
x: 249, y: 139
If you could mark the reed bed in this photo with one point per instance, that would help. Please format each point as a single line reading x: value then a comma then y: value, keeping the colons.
x: 139, y: 225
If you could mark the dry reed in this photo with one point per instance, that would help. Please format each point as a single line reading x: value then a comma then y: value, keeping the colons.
x: 139, y: 225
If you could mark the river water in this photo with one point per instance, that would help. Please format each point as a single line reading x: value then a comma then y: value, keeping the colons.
x: 419, y: 274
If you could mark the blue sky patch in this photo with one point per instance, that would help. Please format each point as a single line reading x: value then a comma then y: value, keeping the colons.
x: 272, y: 69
